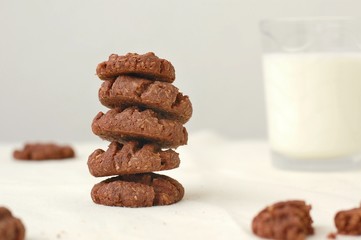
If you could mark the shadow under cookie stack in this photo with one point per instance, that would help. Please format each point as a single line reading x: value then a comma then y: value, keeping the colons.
x: 144, y: 125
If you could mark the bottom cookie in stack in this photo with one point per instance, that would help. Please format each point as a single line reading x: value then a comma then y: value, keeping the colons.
x: 138, y: 190
x: 136, y: 185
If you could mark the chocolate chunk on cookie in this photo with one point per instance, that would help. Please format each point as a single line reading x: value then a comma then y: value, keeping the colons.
x: 131, y: 157
x: 11, y: 228
x: 147, y: 65
x: 138, y: 190
x: 289, y: 220
x: 43, y: 151
x: 348, y: 222
x: 156, y: 95
x: 132, y: 123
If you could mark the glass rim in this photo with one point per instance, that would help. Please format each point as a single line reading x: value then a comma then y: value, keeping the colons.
x: 308, y: 19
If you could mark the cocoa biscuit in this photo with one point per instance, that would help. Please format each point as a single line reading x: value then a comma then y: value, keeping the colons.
x: 132, y: 123
x: 289, y: 220
x: 147, y: 65
x: 131, y: 157
x: 137, y: 190
x: 348, y: 222
x: 11, y: 228
x: 159, y: 96
x: 43, y: 151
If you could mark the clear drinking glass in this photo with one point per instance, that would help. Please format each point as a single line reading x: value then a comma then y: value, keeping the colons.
x: 312, y: 74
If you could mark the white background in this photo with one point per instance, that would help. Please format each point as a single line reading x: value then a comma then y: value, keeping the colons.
x: 49, y: 51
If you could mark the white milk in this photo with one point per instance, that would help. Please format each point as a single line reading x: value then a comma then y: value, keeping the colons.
x: 314, y: 104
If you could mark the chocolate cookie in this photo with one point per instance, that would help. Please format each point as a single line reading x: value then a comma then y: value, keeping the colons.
x: 147, y: 65
x: 131, y: 123
x: 348, y: 222
x: 43, y: 151
x: 129, y: 158
x: 159, y: 96
x: 11, y: 228
x: 138, y: 190
x: 288, y: 220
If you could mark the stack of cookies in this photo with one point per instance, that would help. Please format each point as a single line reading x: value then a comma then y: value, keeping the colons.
x: 144, y: 125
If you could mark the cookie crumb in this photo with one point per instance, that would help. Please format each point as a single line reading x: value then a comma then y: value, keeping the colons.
x: 331, y: 236
x: 60, y: 234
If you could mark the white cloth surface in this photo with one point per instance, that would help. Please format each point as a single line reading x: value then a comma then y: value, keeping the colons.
x: 227, y: 183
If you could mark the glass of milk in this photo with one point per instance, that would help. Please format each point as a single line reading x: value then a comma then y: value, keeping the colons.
x: 312, y: 76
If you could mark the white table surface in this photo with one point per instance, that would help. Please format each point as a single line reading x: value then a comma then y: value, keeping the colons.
x: 226, y: 182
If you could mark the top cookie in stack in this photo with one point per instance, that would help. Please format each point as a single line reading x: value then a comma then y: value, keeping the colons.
x: 147, y: 65
x: 146, y: 115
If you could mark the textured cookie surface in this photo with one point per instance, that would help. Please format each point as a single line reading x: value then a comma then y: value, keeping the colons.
x: 348, y: 222
x: 129, y: 158
x: 159, y: 96
x: 11, y: 228
x: 147, y: 65
x: 43, y: 151
x: 289, y: 220
x: 131, y: 123
x: 138, y: 190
